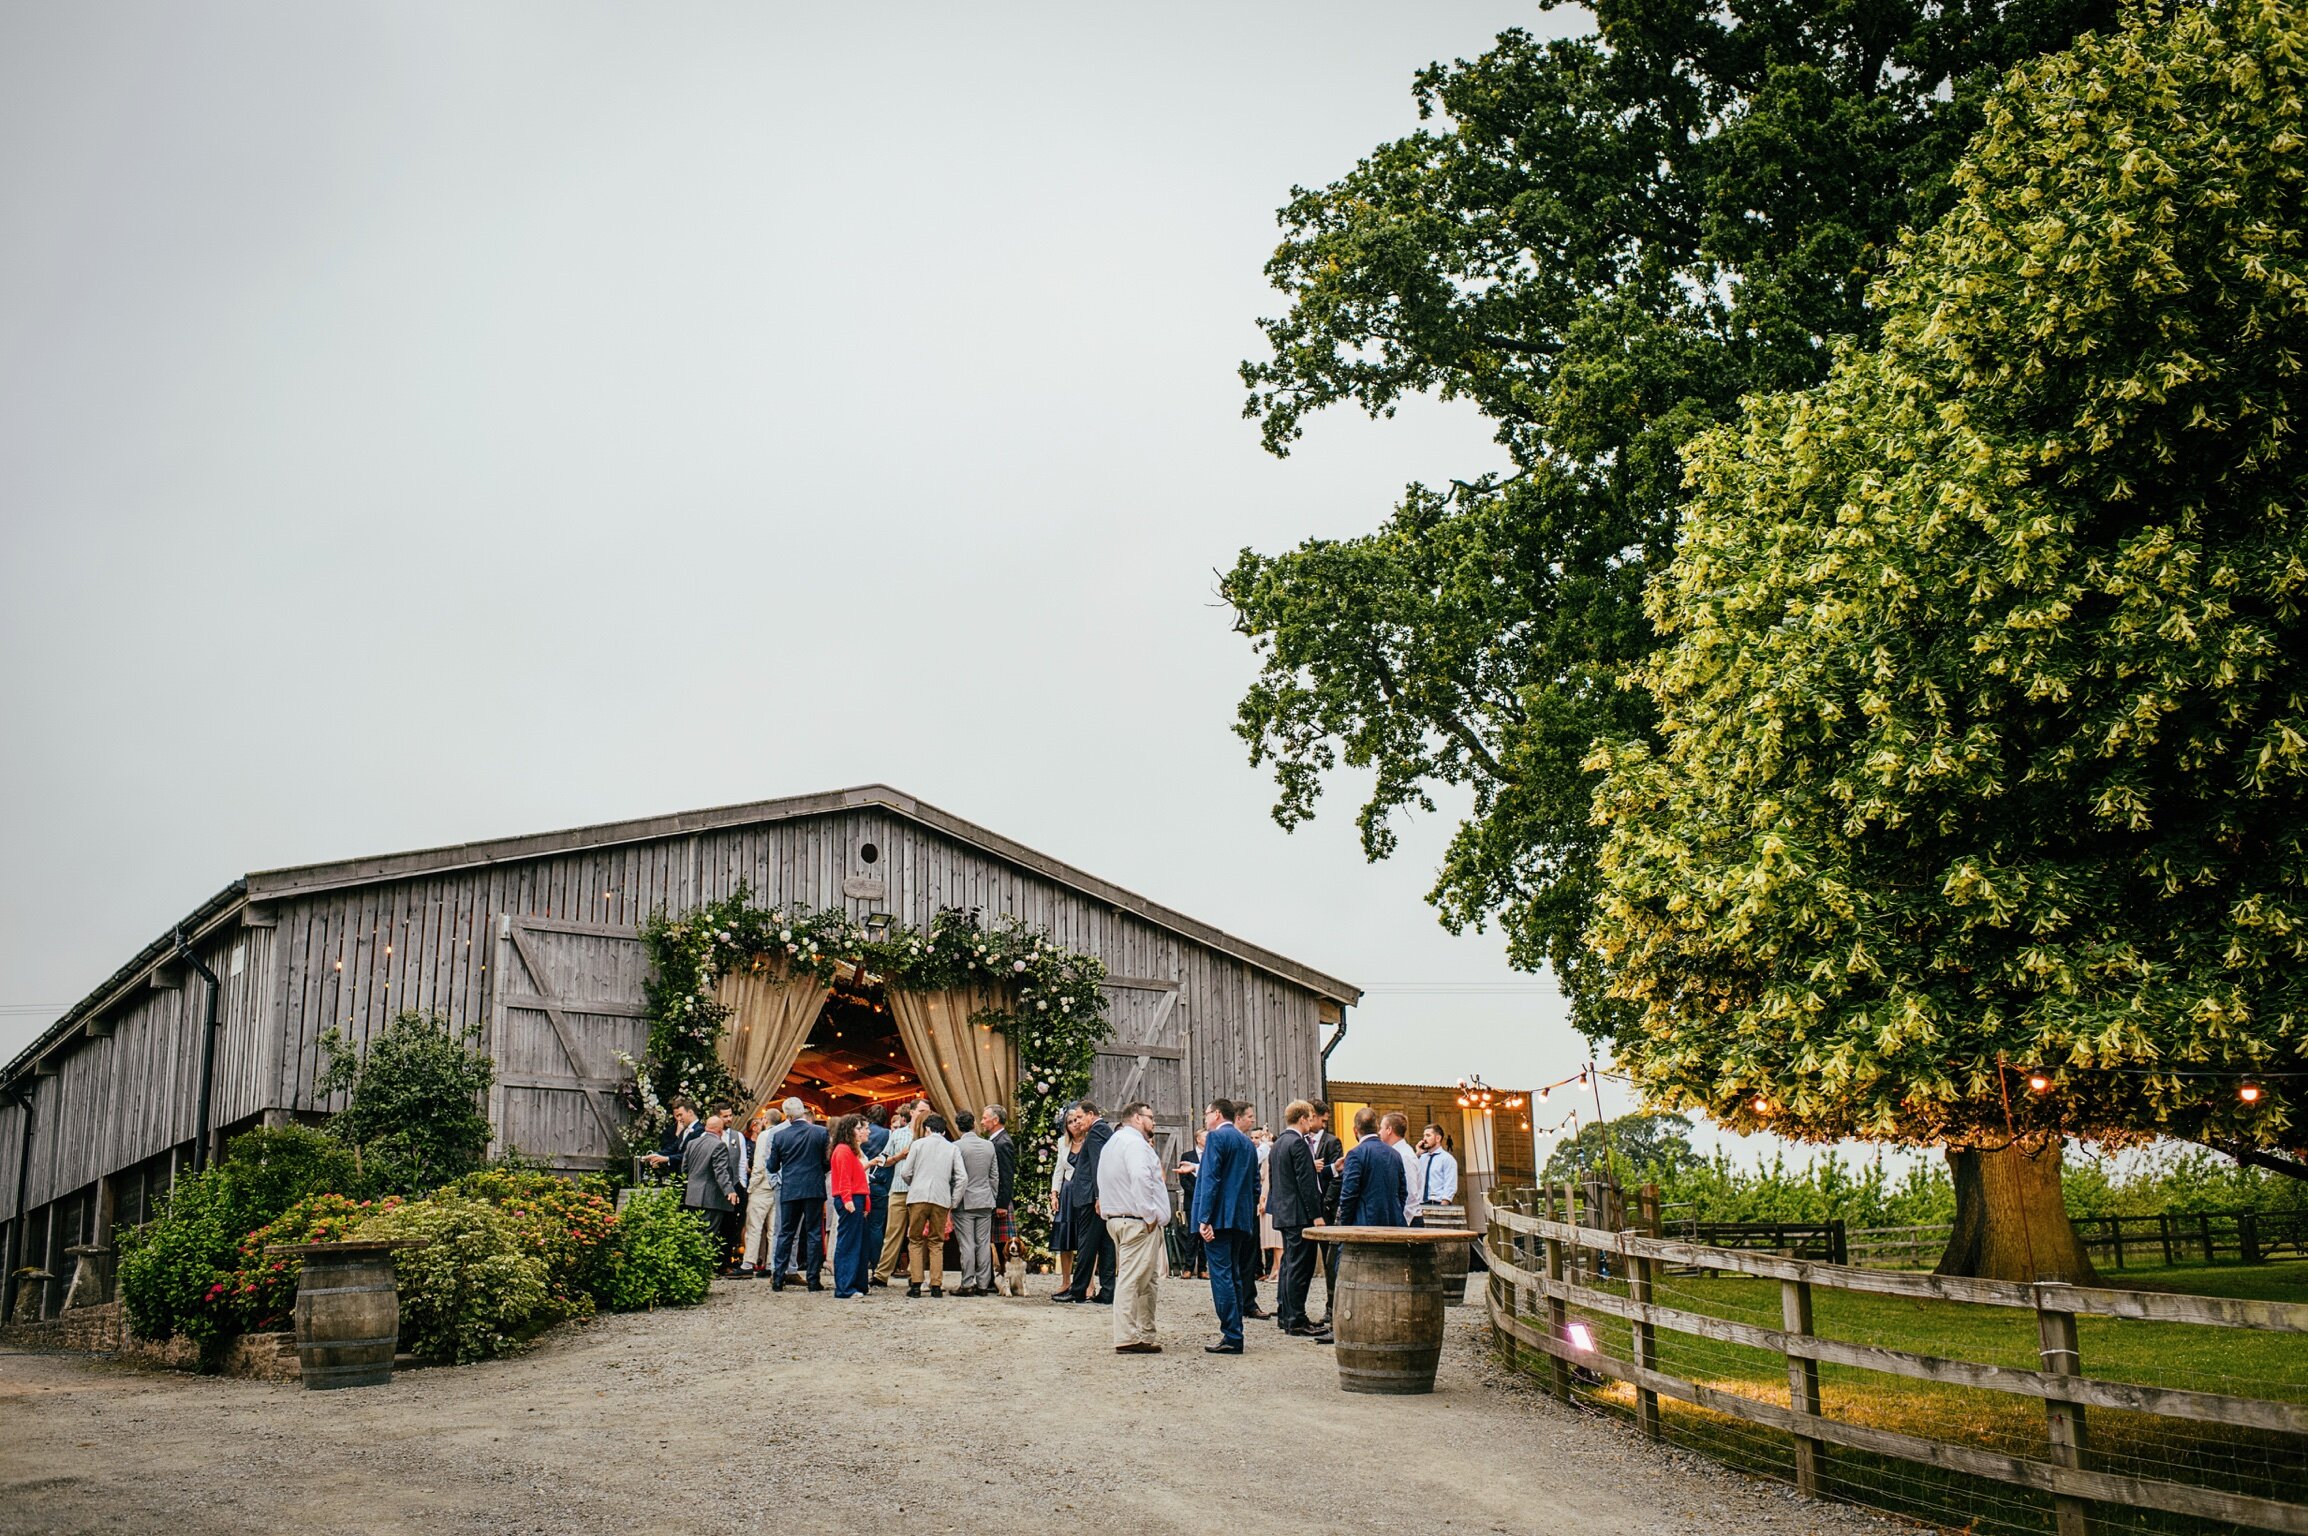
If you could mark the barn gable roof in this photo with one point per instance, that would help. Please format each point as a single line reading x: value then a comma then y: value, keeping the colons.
x: 313, y: 879
x: 307, y: 879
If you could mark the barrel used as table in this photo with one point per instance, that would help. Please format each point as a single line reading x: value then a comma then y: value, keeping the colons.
x: 1388, y: 1315
x: 348, y: 1316
x: 1451, y: 1257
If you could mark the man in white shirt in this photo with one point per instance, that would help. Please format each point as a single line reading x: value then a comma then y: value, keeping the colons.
x: 1394, y: 1130
x: 1437, y: 1179
x: 1134, y: 1199
x: 893, y: 1155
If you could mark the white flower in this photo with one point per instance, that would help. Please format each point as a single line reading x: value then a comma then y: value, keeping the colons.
x: 792, y: 949
x: 1018, y: 966
x: 785, y: 935
x: 1040, y: 1007
x: 1042, y: 1087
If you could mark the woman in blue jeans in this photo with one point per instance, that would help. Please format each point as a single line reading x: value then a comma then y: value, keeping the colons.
x: 846, y: 1186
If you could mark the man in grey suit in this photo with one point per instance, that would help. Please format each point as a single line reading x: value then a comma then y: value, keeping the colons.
x: 974, y: 1211
x: 712, y: 1190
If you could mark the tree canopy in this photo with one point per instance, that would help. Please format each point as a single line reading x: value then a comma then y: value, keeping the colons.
x: 415, y: 1118
x: 1602, y: 244
x: 1983, y: 719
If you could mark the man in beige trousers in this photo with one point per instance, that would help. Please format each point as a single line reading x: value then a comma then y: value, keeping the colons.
x: 1134, y: 1199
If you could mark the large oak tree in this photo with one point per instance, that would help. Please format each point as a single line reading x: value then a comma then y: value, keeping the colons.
x: 1982, y: 745
x: 1601, y: 244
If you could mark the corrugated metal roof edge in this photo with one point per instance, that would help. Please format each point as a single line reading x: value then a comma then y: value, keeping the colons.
x: 196, y: 925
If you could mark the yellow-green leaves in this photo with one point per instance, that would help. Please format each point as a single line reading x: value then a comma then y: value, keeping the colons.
x: 1984, y: 670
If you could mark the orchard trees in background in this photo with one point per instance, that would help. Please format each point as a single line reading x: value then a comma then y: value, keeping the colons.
x: 1603, y: 244
x: 1982, y: 718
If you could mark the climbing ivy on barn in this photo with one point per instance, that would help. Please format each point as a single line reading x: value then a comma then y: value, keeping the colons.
x: 1056, y: 1017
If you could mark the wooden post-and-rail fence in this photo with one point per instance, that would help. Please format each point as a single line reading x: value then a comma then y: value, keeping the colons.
x: 1545, y: 1270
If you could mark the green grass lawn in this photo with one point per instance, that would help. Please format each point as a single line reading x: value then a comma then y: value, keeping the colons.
x: 2243, y: 1362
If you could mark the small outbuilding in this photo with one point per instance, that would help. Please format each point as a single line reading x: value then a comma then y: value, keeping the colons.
x: 216, y: 1027
x: 1490, y: 1137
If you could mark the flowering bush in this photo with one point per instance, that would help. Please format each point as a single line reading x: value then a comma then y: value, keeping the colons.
x: 178, y: 1271
x: 566, y: 1225
x: 659, y: 1254
x: 475, y: 1290
x: 263, y: 1287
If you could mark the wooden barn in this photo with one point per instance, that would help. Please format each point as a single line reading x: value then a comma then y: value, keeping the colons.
x: 536, y: 939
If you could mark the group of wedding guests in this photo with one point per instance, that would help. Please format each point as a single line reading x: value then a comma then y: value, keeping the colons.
x: 896, y: 1188
x: 1110, y: 1206
x: 891, y: 1189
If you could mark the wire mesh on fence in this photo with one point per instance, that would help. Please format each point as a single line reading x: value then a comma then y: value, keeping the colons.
x: 1721, y: 1331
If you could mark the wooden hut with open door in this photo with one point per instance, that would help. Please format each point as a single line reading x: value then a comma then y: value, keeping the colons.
x: 538, y: 939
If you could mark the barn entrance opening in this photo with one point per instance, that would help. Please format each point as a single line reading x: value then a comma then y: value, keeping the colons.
x: 853, y: 1057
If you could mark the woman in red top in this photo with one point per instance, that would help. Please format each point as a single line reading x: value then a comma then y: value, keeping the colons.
x: 846, y: 1183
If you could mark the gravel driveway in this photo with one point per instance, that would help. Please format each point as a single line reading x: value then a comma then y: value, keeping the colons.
x: 930, y: 1416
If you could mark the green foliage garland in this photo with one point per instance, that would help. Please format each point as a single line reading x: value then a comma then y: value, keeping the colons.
x: 1056, y: 1018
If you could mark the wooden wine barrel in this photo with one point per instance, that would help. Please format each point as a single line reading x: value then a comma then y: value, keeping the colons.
x: 1450, y: 1258
x: 1388, y: 1316
x: 348, y: 1315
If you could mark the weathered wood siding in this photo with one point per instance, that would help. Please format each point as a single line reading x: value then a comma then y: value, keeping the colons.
x: 353, y: 958
x: 11, y: 1144
x: 133, y: 1091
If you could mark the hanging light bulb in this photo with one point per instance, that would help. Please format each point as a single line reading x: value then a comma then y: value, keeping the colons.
x: 2039, y: 1082
x: 1762, y: 1105
x: 2249, y: 1093
x: 1543, y: 1093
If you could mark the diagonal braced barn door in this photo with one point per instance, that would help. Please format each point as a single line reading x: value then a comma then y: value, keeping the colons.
x: 1145, y: 1058
x: 567, y: 1001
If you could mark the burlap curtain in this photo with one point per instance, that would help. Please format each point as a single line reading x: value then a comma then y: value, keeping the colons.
x: 963, y: 1066
x: 771, y: 1015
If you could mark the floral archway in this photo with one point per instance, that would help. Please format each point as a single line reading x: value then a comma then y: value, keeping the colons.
x: 1007, y: 979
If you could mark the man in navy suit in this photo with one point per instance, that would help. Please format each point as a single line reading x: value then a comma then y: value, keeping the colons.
x: 1226, y: 1203
x: 797, y: 1158
x: 1373, y: 1187
x: 675, y: 1150
x: 1094, y: 1251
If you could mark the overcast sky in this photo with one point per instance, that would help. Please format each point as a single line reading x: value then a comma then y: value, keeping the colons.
x: 421, y: 422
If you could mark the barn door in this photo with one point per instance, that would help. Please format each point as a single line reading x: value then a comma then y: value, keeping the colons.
x: 1145, y: 1058
x: 568, y: 999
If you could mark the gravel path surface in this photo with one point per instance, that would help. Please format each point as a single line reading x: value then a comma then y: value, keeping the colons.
x: 932, y: 1416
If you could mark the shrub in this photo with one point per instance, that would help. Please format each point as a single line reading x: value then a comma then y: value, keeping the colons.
x: 475, y: 1290
x: 264, y: 1286
x: 659, y: 1255
x: 566, y: 1225
x: 274, y: 1168
x: 172, y: 1274
x: 415, y: 1118
x: 177, y: 1271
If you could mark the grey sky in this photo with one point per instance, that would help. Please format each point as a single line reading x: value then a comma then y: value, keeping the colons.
x: 423, y: 422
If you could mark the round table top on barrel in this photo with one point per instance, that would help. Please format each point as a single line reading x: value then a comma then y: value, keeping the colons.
x: 1389, y: 1234
x: 352, y: 1246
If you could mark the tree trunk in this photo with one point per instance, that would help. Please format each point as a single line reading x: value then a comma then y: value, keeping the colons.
x: 2011, y: 1222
